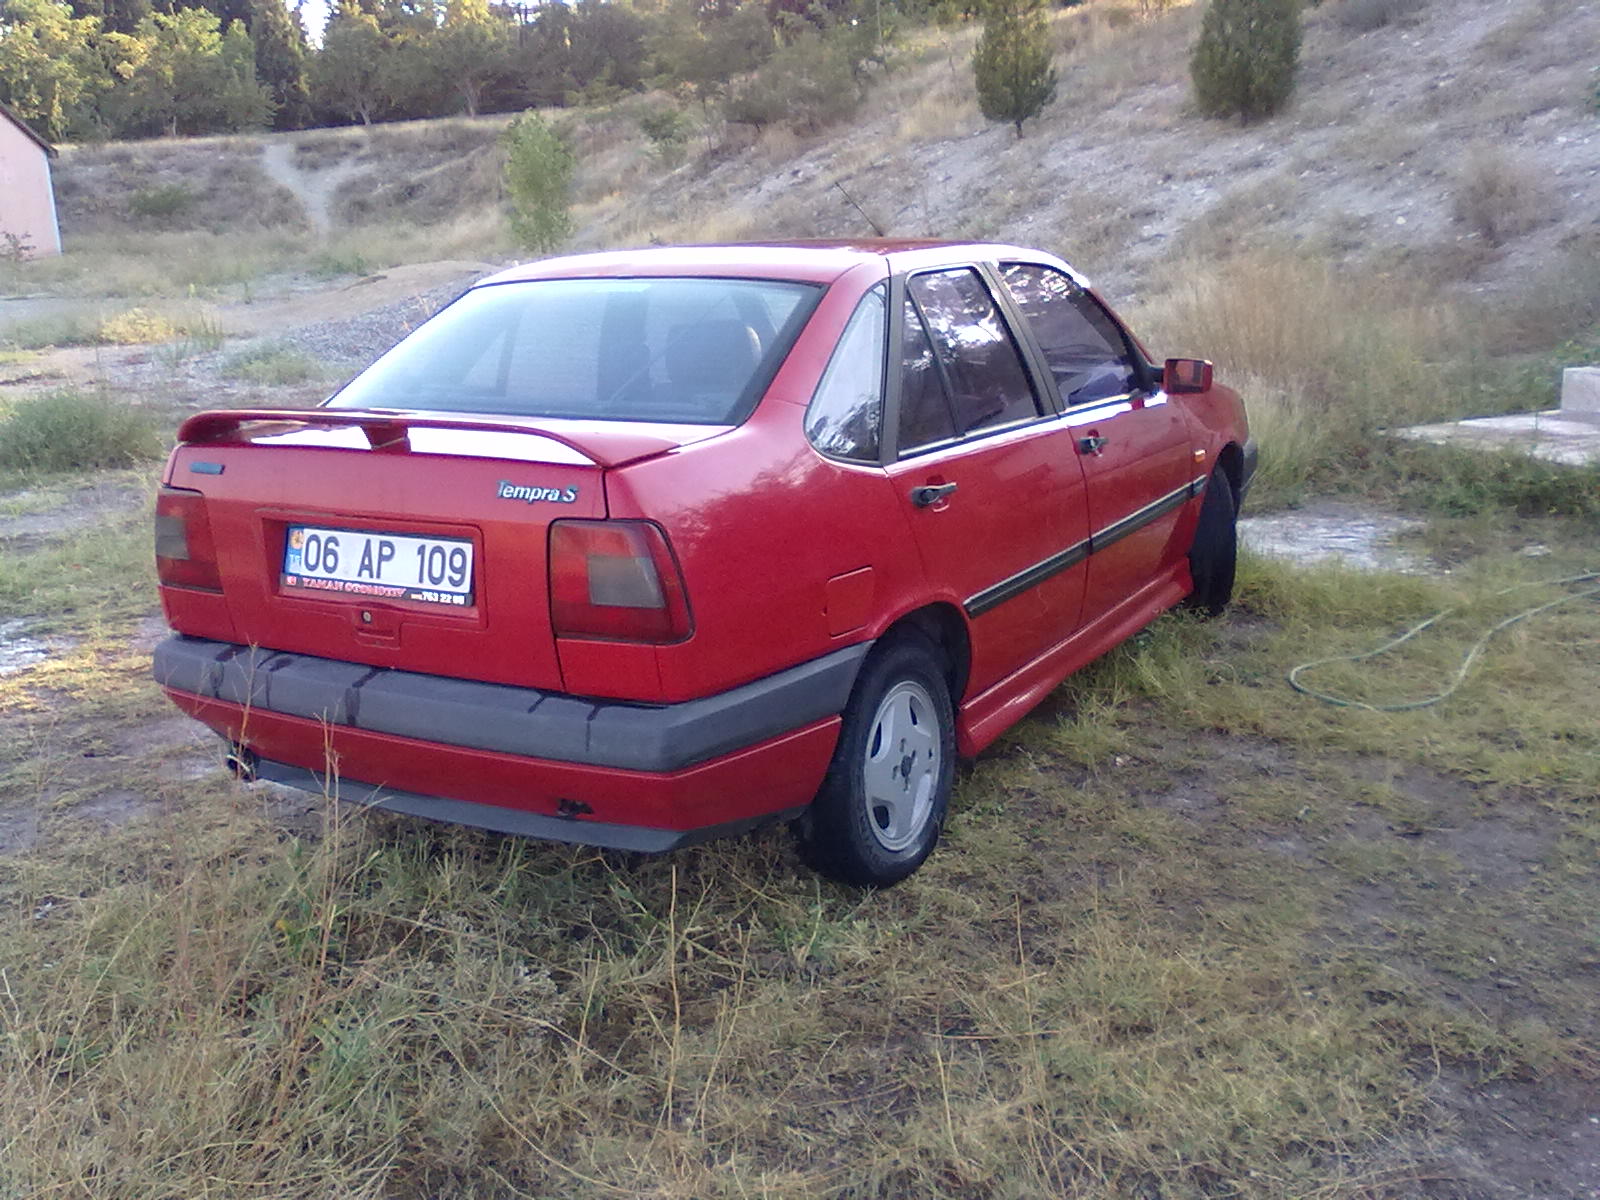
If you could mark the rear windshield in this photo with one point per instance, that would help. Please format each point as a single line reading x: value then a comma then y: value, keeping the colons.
x: 698, y: 351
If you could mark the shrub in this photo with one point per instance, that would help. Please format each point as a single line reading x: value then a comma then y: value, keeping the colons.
x: 160, y: 202
x: 69, y: 431
x: 807, y: 84
x: 1011, y: 64
x: 668, y: 130
x: 1363, y: 16
x: 1245, y: 59
x: 1499, y: 196
x: 274, y: 364
x: 136, y: 327
x: 538, y: 179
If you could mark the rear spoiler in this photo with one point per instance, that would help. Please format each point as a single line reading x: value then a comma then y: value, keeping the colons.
x: 388, y: 432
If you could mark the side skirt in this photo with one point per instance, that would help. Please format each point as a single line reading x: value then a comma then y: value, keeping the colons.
x: 984, y: 717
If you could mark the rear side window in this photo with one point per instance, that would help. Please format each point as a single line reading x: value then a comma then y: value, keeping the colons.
x: 924, y: 412
x: 698, y: 351
x: 845, y: 417
x: 1085, y: 350
x: 983, y: 372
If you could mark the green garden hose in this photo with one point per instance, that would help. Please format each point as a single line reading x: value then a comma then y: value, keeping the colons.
x: 1466, y: 663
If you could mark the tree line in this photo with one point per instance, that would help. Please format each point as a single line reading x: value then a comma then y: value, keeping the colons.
x: 95, y: 69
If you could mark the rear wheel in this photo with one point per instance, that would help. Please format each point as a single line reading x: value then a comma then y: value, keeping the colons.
x: 883, y: 802
x: 1214, y: 553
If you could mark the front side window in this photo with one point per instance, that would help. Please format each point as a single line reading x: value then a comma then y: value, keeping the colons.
x: 982, y: 369
x: 1085, y: 350
x: 845, y: 417
x: 691, y: 350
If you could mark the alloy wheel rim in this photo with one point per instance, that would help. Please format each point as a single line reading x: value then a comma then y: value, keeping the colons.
x: 901, y: 767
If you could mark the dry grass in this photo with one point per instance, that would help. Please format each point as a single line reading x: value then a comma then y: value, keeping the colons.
x: 1324, y: 359
x: 1093, y: 989
x: 1499, y: 195
x: 1363, y: 16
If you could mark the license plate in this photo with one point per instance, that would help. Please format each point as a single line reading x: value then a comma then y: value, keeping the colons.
x: 391, y: 566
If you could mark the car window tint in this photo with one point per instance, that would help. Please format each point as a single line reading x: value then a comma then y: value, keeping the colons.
x: 1084, y: 348
x: 924, y: 412
x: 673, y: 349
x: 846, y: 412
x: 988, y: 384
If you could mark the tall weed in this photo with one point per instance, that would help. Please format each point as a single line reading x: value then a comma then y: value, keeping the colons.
x: 69, y: 431
x: 1324, y: 359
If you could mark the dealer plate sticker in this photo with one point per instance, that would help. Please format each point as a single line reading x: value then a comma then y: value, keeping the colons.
x: 393, y: 566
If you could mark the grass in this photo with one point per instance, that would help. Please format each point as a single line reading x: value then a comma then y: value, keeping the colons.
x: 73, y: 431
x: 274, y: 365
x: 1095, y: 986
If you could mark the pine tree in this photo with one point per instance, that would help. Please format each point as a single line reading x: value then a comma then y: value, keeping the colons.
x: 1245, y: 60
x: 280, y: 41
x: 1012, y: 62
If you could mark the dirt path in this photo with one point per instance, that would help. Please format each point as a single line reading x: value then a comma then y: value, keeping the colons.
x: 314, y: 189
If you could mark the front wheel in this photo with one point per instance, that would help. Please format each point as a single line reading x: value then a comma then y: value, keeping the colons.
x: 1214, y: 553
x: 883, y: 802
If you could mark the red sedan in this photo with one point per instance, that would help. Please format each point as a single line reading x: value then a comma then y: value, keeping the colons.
x: 634, y: 549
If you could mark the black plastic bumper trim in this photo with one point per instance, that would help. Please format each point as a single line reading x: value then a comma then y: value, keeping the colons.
x: 512, y: 720
x: 609, y: 836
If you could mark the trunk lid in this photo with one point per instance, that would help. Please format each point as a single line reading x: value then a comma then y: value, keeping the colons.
x: 414, y: 541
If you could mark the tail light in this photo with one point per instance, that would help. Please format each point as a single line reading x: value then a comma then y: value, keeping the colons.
x: 615, y: 580
x: 185, y: 554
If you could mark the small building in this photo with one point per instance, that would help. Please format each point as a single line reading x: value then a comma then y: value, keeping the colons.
x: 28, y: 227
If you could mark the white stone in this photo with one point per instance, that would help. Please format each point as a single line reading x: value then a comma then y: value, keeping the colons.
x: 1580, y: 390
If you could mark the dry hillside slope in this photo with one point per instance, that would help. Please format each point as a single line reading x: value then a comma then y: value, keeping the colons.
x: 1455, y: 141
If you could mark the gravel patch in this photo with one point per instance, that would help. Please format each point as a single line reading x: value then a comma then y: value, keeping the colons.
x: 356, y: 340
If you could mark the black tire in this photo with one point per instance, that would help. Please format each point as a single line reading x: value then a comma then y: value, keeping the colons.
x: 1214, y: 554
x: 881, y: 808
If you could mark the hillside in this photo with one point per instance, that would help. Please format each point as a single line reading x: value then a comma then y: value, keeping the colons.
x: 1451, y: 142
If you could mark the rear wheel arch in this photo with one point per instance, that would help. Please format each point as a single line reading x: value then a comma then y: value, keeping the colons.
x: 943, y: 625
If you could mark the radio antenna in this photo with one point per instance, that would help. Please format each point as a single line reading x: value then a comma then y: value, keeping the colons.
x: 875, y: 227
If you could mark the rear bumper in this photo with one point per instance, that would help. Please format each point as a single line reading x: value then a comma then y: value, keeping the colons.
x: 640, y: 777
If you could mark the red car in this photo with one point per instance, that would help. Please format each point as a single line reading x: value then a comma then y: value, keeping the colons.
x: 634, y: 549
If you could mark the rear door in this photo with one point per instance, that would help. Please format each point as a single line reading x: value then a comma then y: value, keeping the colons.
x: 1132, y: 442
x: 984, y: 469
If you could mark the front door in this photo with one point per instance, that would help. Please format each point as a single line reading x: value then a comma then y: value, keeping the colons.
x: 1133, y: 442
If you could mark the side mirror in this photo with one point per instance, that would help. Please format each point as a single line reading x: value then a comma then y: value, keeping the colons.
x: 1182, y: 375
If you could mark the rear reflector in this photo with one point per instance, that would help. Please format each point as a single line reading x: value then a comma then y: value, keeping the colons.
x: 185, y: 554
x: 615, y: 580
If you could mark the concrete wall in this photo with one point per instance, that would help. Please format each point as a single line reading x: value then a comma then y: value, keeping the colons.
x: 27, y: 201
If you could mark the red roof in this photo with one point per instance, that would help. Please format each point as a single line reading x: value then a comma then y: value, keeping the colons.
x: 11, y: 116
x: 819, y: 261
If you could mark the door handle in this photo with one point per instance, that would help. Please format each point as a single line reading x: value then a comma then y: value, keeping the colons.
x: 930, y: 493
x: 1092, y: 444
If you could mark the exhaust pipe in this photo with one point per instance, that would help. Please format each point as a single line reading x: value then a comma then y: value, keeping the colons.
x: 241, y: 760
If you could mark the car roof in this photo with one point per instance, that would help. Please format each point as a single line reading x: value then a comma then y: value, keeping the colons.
x: 818, y: 261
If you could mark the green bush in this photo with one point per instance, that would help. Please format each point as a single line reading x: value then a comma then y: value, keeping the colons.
x: 807, y: 84
x: 275, y: 365
x: 1245, y: 60
x: 69, y: 431
x: 160, y: 202
x: 538, y: 179
x: 1011, y: 65
x: 668, y: 130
